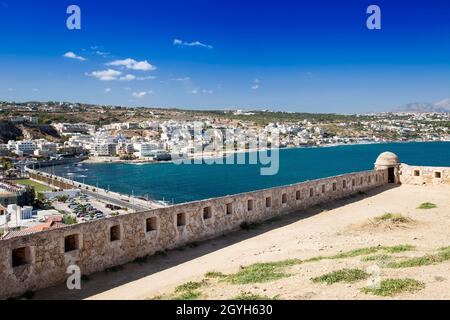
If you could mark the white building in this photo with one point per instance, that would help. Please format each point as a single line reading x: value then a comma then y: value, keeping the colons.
x: 146, y: 149
x: 25, y: 147
x: 46, y: 149
x: 125, y: 148
x: 106, y: 149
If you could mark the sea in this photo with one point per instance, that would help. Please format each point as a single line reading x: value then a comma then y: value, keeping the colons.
x: 179, y: 183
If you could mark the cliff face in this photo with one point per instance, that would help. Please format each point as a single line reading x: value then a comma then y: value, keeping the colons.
x: 8, y: 131
x: 11, y: 131
x: 39, y: 131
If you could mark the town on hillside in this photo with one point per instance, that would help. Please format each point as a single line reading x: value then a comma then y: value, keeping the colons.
x: 34, y: 134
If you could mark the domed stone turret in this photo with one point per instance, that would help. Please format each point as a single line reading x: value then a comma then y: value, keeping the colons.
x: 390, y: 162
x: 387, y: 159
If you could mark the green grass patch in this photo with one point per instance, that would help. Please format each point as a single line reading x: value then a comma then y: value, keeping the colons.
x: 38, y: 187
x: 400, y: 248
x: 364, y: 251
x: 383, y: 257
x: 392, y: 287
x: 188, y: 290
x: 442, y: 256
x: 377, y: 257
x: 272, y: 271
x: 393, y: 217
x: 215, y: 275
x: 356, y: 252
x: 187, y: 295
x: 190, y: 286
x: 252, y: 296
x: 263, y: 272
x: 427, y: 205
x: 315, y: 259
x: 343, y: 275
x: 413, y: 262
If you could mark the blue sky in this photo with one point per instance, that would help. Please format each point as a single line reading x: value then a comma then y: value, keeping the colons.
x: 313, y: 56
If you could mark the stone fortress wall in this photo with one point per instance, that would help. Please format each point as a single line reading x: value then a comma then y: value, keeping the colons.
x: 419, y: 175
x: 100, y: 244
x: 40, y: 260
x: 403, y: 173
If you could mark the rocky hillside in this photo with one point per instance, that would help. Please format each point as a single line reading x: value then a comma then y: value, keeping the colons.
x: 11, y: 131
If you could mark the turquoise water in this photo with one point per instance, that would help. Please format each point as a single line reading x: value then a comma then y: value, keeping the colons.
x: 181, y: 183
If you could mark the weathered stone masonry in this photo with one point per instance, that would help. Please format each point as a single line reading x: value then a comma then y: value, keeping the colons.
x: 40, y: 260
x: 419, y: 175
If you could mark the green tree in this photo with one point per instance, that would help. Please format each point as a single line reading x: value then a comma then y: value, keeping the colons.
x: 69, y: 219
x: 63, y: 198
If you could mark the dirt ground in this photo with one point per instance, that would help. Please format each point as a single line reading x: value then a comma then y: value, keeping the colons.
x: 322, y: 231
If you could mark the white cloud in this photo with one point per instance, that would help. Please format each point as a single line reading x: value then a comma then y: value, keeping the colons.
x: 201, y: 91
x: 10, y: 89
x: 128, y: 77
x: 105, y: 75
x: 178, y: 42
x: 181, y: 79
x: 115, y: 75
x: 146, y: 78
x: 35, y: 89
x: 101, y: 53
x: 71, y: 55
x: 107, y: 89
x: 140, y: 94
x: 133, y: 64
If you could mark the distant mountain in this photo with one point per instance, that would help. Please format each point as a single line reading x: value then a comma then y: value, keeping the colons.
x: 418, y: 107
x: 443, y: 104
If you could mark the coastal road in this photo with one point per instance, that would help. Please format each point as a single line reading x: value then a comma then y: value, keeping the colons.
x: 118, y: 202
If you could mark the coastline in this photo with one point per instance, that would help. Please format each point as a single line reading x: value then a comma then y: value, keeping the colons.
x: 221, y: 180
x: 223, y: 154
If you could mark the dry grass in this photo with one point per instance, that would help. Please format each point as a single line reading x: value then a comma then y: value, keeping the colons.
x: 385, y: 222
x: 393, y: 218
x: 392, y: 287
x: 343, y: 275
